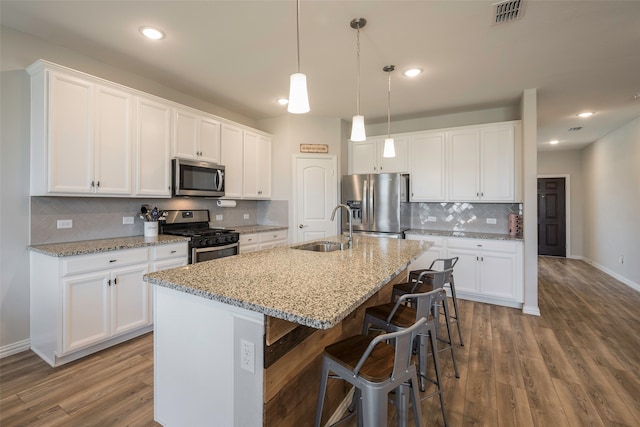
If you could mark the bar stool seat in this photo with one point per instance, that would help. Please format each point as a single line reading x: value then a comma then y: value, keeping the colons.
x: 375, y: 368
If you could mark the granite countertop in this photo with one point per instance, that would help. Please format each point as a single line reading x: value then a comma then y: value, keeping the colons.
x: 104, y: 245
x: 465, y: 234
x: 248, y: 229
x: 316, y: 289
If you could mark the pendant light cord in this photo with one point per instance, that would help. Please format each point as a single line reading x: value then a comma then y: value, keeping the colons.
x: 358, y: 79
x: 298, y: 31
x: 389, y: 104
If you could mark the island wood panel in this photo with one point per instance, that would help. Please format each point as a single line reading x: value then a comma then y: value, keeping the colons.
x: 291, y: 382
x: 277, y: 328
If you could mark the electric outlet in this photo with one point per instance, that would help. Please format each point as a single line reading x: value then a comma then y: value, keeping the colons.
x: 219, y: 217
x: 247, y: 356
x: 621, y: 259
x: 431, y: 219
x: 127, y: 220
x: 491, y: 221
x: 65, y: 223
x: 246, y: 216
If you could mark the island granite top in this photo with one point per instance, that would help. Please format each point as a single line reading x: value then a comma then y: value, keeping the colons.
x: 316, y: 289
x: 249, y: 229
x: 104, y: 245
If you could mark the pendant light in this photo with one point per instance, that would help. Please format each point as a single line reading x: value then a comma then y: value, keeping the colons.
x: 298, y: 96
x: 389, y: 146
x: 357, y: 124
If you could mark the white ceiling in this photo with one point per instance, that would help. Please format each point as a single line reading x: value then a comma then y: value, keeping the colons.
x: 580, y: 55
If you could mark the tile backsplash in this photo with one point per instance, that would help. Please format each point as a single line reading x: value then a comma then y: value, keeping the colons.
x: 101, y: 218
x: 463, y: 216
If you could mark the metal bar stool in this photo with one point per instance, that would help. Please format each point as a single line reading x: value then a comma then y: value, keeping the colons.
x: 447, y: 265
x: 427, y: 281
x: 375, y: 368
x: 398, y: 316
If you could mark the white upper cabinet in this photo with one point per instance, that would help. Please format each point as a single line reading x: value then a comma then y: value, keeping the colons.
x: 256, y: 166
x: 91, y: 137
x: 231, y: 159
x: 153, y: 143
x: 427, y: 167
x: 81, y: 135
x: 196, y: 136
x: 366, y: 156
x: 482, y: 164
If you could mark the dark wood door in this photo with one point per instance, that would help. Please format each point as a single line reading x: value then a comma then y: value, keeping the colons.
x: 552, y: 238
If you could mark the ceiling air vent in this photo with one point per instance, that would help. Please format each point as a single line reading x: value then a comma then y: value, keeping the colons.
x: 508, y: 10
x: 575, y: 128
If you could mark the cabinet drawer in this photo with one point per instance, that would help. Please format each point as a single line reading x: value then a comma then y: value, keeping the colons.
x: 248, y: 239
x: 490, y: 245
x: 96, y: 262
x: 271, y: 236
x: 169, y: 251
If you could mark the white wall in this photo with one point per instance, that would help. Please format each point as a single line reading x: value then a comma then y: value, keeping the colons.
x: 289, y: 132
x: 568, y: 162
x: 611, y: 168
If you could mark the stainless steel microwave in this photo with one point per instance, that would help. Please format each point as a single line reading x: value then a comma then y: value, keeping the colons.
x: 197, y: 178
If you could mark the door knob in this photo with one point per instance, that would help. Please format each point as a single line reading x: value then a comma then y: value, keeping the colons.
x: 302, y: 226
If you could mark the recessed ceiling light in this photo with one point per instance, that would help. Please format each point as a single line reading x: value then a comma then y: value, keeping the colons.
x: 282, y: 101
x: 586, y: 114
x: 636, y: 96
x: 554, y: 142
x: 151, y: 33
x: 412, y: 72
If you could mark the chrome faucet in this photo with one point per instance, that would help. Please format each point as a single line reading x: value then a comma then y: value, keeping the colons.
x: 349, y: 215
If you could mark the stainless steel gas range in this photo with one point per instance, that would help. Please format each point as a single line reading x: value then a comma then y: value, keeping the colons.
x: 205, y: 243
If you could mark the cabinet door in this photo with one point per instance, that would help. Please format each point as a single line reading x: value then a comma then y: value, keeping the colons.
x: 231, y: 159
x: 129, y: 299
x: 427, y: 173
x: 497, y: 274
x: 434, y: 252
x: 497, y: 164
x: 264, y: 167
x: 185, y: 135
x: 364, y: 157
x: 153, y: 141
x: 166, y: 264
x: 397, y: 164
x: 70, y: 149
x: 466, y: 270
x: 113, y: 141
x: 464, y: 164
x: 250, y: 160
x: 85, y: 312
x: 209, y: 140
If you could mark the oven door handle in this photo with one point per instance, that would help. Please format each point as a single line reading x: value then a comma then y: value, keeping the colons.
x: 215, y: 248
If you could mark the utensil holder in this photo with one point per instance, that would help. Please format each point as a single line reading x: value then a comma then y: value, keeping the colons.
x: 151, y: 229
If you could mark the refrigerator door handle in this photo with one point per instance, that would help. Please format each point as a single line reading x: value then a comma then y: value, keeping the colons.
x: 372, y: 205
x: 365, y: 203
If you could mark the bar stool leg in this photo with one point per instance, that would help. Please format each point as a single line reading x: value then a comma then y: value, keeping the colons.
x: 401, y: 405
x: 445, y: 306
x: 321, y: 392
x: 455, y: 309
x: 374, y: 408
x: 436, y: 363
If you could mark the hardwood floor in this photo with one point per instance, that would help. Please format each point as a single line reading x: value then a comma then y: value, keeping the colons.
x: 576, y: 365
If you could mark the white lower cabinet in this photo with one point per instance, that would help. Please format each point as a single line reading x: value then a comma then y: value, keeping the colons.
x: 487, y: 270
x: 264, y: 240
x: 85, y: 303
x: 436, y: 251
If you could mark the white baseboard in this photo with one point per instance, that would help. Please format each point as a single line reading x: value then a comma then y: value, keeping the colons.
x: 615, y: 275
x: 578, y: 257
x: 14, y: 348
x: 532, y: 310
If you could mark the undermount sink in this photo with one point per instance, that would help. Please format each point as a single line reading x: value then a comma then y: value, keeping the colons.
x: 321, y: 246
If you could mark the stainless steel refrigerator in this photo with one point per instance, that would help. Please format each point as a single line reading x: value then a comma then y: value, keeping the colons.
x: 379, y: 204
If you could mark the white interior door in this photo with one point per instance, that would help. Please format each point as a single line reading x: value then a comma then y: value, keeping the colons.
x: 316, y: 196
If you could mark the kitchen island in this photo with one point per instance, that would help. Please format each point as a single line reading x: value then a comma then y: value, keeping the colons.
x: 238, y: 340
